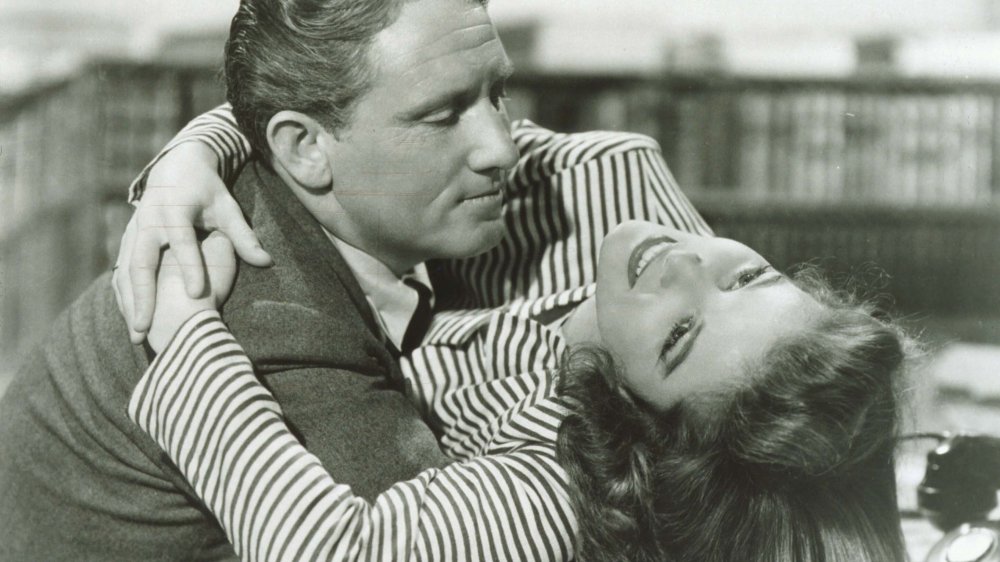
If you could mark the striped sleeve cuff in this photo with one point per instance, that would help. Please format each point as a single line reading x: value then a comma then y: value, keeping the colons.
x: 215, y: 129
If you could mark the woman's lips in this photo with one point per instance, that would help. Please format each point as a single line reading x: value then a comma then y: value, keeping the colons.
x: 649, y: 249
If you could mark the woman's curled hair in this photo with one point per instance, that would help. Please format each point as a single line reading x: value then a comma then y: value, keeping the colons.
x: 793, y: 463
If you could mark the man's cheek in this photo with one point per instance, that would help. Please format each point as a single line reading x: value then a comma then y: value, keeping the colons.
x: 406, y: 151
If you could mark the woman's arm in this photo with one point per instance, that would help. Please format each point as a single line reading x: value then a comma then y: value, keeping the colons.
x: 201, y: 402
x: 217, y: 131
x: 183, y: 189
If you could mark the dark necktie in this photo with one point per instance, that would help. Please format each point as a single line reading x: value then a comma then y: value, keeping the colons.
x: 421, y: 319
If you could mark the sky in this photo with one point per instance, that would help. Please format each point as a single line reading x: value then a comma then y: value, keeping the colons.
x: 812, y: 36
x: 861, y: 15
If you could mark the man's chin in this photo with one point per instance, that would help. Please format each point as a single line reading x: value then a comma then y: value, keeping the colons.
x: 483, y: 238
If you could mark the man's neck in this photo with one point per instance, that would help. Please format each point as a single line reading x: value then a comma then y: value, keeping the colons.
x: 323, y: 206
x: 358, y: 257
x: 392, y: 298
x: 398, y: 266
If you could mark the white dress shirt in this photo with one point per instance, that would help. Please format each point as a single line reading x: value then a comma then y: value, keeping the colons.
x: 392, y: 300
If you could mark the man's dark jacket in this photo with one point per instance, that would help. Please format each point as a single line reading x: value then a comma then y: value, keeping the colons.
x: 78, y: 481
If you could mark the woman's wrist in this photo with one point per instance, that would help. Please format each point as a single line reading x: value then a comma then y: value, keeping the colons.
x: 176, y: 165
x: 173, y: 305
x: 172, y: 321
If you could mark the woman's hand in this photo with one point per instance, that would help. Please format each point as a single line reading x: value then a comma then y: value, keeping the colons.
x: 183, y: 192
x: 173, y: 303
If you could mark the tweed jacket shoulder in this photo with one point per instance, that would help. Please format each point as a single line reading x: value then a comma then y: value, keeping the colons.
x: 79, y: 481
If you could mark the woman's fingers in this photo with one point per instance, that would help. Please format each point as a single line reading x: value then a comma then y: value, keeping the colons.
x: 174, y: 304
x: 220, y: 265
x: 121, y: 281
x: 142, y: 268
x: 184, y: 245
x: 230, y: 222
x: 123, y: 296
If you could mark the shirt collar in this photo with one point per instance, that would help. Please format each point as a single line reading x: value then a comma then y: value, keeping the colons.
x: 393, y: 301
x: 456, y: 327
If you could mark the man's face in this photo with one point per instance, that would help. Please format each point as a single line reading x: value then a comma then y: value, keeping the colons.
x: 418, y: 172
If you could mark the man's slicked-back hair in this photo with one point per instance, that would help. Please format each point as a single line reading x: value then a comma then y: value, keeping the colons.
x: 310, y: 56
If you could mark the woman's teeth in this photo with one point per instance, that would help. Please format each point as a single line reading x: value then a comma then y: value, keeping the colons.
x: 649, y: 255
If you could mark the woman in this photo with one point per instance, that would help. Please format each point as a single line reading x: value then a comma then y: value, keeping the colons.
x: 714, y: 410
x: 761, y: 428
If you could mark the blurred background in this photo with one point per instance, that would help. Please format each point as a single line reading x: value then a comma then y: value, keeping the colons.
x: 861, y: 135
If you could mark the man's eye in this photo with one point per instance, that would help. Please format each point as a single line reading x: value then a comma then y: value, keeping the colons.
x: 747, y: 276
x: 443, y: 118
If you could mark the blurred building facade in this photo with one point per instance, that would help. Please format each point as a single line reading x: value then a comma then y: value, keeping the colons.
x: 847, y: 146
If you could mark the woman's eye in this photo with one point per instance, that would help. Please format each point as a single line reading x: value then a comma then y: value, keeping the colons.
x: 679, y: 330
x: 748, y: 276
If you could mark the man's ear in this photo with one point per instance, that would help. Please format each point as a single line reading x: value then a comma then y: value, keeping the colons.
x: 297, y: 142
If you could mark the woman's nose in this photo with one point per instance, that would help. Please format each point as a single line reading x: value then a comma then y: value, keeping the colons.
x: 682, y: 264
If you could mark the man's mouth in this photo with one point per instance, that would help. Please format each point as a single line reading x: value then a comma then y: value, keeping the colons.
x: 644, y: 254
x: 491, y: 196
x: 488, y: 197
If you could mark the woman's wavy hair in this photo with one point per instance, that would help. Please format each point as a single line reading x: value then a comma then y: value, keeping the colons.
x: 795, y: 463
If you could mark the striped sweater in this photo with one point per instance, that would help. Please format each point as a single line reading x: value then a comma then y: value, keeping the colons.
x: 483, y: 379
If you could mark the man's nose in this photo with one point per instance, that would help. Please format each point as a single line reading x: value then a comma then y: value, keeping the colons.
x: 493, y: 146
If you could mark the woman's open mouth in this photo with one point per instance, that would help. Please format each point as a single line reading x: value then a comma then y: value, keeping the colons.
x: 644, y: 254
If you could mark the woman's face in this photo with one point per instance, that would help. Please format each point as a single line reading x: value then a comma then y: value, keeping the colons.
x: 684, y: 314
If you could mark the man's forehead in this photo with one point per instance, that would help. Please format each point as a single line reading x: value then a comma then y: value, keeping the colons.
x: 430, y: 31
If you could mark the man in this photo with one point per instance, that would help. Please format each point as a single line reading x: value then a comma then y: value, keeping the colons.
x: 381, y: 138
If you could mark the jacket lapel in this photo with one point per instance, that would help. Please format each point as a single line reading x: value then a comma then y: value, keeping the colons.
x: 308, y: 309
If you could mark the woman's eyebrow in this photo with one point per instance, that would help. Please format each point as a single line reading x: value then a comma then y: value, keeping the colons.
x: 768, y: 281
x: 681, y: 352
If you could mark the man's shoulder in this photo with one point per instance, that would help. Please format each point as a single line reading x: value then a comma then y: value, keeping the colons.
x: 308, y: 306
x: 546, y: 152
x: 308, y: 278
x: 85, y: 367
x: 91, y: 336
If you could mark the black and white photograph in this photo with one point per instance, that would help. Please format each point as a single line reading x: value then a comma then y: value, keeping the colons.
x: 500, y: 280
